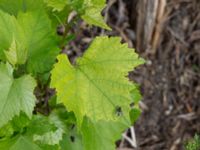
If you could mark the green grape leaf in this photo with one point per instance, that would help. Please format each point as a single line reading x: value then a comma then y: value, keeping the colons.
x: 16, y: 94
x: 92, y: 13
x: 27, y: 31
x: 101, y: 135
x: 41, y: 44
x: 57, y: 5
x: 18, y: 143
x: 97, y: 85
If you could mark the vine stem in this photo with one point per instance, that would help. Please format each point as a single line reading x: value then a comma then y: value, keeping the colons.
x: 132, y: 140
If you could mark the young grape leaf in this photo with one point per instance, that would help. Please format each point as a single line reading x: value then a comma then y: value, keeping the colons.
x: 16, y: 94
x: 101, y: 135
x: 89, y: 10
x: 135, y: 95
x: 97, y: 85
x: 92, y: 14
x: 134, y: 114
x: 57, y: 5
x: 17, y: 54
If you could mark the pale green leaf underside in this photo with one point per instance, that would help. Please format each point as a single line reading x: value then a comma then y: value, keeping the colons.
x: 16, y: 94
x: 97, y: 84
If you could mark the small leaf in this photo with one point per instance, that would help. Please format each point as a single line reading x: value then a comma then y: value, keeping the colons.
x: 57, y: 5
x: 134, y: 114
x: 16, y: 53
x: 92, y: 14
x: 135, y: 95
x: 89, y: 10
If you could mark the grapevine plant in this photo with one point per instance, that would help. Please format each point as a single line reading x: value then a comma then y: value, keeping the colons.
x: 93, y: 100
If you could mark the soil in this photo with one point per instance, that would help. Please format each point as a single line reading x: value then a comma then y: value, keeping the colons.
x: 170, y: 79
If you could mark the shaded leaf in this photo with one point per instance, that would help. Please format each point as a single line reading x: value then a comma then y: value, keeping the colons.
x: 41, y: 45
x: 18, y: 143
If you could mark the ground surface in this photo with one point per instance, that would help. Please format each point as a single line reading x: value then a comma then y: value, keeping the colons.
x: 170, y: 80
